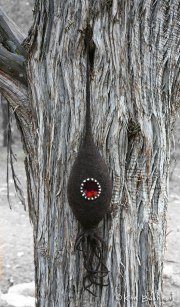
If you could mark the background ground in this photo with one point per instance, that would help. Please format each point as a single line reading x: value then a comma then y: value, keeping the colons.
x: 16, y: 243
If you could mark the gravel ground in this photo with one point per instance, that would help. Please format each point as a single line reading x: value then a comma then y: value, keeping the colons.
x: 16, y: 241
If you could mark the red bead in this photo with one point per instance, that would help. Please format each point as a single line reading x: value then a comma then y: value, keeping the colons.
x: 89, y: 194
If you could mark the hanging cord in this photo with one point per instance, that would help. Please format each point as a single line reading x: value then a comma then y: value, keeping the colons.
x: 90, y: 49
x: 91, y: 246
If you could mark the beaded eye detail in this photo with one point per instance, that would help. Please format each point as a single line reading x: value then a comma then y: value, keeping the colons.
x: 90, y: 189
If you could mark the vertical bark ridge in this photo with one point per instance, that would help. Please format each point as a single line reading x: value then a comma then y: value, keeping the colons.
x: 134, y: 86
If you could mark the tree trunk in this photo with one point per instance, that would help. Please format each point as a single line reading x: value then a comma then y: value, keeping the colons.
x: 135, y: 86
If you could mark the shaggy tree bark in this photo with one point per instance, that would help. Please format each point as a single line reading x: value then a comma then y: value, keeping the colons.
x: 4, y: 106
x: 134, y: 101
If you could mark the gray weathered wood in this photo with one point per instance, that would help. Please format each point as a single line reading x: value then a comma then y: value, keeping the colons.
x: 13, y: 64
x: 10, y: 34
x: 135, y: 97
x: 12, y: 54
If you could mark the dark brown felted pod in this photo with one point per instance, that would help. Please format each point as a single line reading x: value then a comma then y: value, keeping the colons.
x: 89, y: 165
x: 89, y: 191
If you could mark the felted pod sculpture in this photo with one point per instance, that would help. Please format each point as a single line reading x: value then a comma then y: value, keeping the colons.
x: 89, y: 192
x: 89, y: 186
